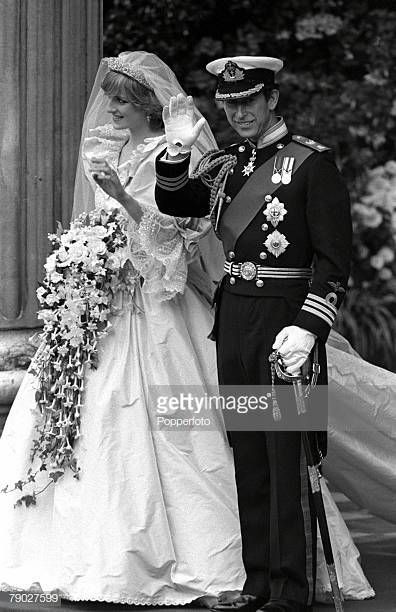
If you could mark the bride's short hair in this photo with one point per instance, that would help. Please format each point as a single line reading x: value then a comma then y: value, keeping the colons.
x: 118, y: 84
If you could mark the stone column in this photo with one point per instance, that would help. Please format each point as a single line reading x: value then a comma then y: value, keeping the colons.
x: 49, y: 53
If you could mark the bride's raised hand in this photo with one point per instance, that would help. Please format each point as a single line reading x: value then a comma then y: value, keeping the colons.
x: 181, y: 131
x: 107, y: 178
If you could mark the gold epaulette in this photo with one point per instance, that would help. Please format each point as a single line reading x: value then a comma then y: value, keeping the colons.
x: 312, y: 144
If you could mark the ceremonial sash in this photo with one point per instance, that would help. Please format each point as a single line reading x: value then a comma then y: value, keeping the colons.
x: 250, y: 199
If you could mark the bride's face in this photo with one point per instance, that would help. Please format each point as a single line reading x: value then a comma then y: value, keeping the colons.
x: 125, y: 115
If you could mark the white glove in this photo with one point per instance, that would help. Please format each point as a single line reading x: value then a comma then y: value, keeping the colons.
x: 180, y: 131
x: 294, y: 344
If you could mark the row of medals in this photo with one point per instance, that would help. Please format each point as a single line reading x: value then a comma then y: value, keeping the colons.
x: 282, y: 170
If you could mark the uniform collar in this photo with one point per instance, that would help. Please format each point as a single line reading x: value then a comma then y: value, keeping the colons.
x: 276, y: 132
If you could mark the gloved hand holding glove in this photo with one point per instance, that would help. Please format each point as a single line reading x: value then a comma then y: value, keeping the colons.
x: 180, y: 130
x: 294, y: 344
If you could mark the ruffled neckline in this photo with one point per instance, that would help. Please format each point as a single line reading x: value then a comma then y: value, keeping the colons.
x: 106, y: 141
x: 142, y: 149
x: 106, y: 137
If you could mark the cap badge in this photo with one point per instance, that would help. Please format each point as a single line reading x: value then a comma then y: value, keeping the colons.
x: 232, y: 72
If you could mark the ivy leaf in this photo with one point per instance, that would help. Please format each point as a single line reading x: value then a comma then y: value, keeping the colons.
x: 19, y: 485
x: 29, y: 500
x: 43, y: 467
x: 56, y: 475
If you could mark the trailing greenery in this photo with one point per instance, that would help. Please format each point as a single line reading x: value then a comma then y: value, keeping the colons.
x: 338, y: 87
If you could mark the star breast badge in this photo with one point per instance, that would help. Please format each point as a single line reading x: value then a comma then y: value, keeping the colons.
x: 248, y: 169
x: 276, y: 243
x: 275, y: 212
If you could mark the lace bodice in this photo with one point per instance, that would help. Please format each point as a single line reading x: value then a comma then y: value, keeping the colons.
x: 160, y: 247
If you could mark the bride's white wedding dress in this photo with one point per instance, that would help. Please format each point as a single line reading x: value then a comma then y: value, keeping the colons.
x: 153, y: 518
x: 362, y: 430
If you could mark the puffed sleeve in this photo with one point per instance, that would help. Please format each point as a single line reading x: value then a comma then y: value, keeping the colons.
x: 330, y: 227
x: 161, y: 246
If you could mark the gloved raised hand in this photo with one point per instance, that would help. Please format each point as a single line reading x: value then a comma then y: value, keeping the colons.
x: 180, y: 130
x: 294, y: 344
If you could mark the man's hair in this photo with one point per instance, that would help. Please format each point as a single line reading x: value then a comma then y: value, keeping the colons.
x: 268, y: 90
x: 117, y: 84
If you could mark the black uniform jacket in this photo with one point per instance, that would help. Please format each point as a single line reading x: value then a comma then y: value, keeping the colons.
x: 315, y: 229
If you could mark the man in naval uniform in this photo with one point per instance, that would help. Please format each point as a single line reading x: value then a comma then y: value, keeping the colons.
x: 281, y: 209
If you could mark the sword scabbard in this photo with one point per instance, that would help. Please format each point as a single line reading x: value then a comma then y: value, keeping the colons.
x: 299, y: 397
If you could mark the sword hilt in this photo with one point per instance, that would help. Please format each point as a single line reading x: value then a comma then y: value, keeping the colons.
x: 308, y: 376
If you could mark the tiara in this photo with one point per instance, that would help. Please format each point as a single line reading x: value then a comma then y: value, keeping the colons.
x: 117, y: 65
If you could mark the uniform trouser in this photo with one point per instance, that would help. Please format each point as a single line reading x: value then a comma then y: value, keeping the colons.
x: 275, y: 505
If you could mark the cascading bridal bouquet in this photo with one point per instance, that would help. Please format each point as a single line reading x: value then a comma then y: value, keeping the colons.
x: 86, y: 271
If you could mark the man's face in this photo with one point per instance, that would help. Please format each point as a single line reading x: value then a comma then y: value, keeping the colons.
x: 252, y: 116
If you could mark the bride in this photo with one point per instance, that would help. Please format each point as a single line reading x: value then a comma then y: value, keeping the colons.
x: 152, y: 518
